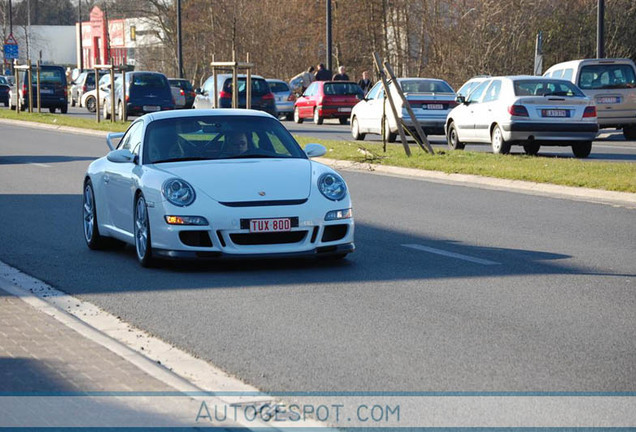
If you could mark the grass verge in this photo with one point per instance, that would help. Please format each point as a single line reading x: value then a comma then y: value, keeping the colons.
x: 64, y: 120
x: 561, y: 171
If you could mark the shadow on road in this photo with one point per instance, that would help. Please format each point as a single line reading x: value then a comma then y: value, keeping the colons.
x: 53, y: 249
x: 30, y: 159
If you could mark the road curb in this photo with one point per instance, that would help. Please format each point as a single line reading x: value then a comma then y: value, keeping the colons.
x: 599, y: 196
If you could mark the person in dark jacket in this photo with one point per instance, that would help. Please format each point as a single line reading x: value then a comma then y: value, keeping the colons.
x: 323, y: 74
x: 341, y: 75
x: 365, y: 83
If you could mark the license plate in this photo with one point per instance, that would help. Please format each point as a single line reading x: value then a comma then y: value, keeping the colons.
x: 434, y: 106
x: 152, y: 108
x: 270, y: 225
x: 47, y: 91
x: 344, y: 109
x: 608, y: 100
x: 554, y: 113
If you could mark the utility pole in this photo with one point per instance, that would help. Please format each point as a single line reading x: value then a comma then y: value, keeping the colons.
x: 600, y: 29
x: 10, y: 19
x: 81, y: 35
x: 179, y: 47
x: 328, y: 62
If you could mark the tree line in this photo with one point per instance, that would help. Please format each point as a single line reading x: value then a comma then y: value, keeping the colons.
x: 449, y: 39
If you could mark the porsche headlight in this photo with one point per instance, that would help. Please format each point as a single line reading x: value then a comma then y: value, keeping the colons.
x: 332, y: 186
x: 178, y: 192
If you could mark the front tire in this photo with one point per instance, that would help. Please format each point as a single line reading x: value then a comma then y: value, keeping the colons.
x: 499, y: 145
x: 317, y: 119
x: 91, y: 106
x: 64, y: 109
x: 92, y: 236
x: 582, y: 149
x: 52, y: 110
x: 297, y: 118
x: 143, y: 246
x: 452, y: 138
x: 355, y: 130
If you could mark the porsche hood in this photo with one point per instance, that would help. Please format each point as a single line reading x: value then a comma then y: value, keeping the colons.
x: 244, y: 180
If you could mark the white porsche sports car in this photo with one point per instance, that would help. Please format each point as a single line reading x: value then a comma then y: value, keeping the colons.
x: 213, y: 184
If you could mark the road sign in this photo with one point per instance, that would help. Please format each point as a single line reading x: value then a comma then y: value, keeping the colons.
x: 10, y: 48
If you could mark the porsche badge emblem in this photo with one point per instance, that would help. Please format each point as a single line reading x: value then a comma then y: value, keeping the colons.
x: 262, y: 193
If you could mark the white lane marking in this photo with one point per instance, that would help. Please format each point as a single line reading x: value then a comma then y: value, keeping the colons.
x: 40, y: 164
x: 451, y: 254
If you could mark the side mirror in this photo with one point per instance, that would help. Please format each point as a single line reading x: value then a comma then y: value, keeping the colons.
x: 198, y: 90
x: 112, y: 136
x: 460, y: 99
x: 315, y: 150
x: 121, y: 156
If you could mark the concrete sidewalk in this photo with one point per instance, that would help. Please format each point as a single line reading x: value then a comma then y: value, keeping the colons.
x: 40, y: 354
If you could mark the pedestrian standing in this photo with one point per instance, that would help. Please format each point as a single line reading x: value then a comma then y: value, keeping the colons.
x: 323, y: 74
x: 341, y: 75
x: 365, y: 83
x: 308, y: 77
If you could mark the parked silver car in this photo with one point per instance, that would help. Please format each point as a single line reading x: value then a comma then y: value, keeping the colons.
x: 430, y: 99
x: 524, y: 110
x: 284, y: 98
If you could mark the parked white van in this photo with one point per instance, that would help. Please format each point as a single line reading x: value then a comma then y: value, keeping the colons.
x: 611, y: 83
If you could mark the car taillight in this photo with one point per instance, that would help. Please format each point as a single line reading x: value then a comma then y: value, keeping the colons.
x: 590, y: 111
x: 182, y: 92
x: 24, y: 90
x: 268, y: 96
x: 225, y: 95
x: 84, y: 88
x: 127, y: 98
x: 291, y: 97
x: 452, y: 104
x: 518, y: 110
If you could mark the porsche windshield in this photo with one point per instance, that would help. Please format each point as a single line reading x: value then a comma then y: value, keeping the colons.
x: 218, y: 137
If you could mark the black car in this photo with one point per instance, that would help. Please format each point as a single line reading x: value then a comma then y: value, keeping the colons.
x: 53, y: 93
x: 4, y: 90
x: 186, y: 90
x: 262, y: 96
x: 145, y: 92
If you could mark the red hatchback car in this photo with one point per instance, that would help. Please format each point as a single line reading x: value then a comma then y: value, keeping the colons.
x: 327, y: 99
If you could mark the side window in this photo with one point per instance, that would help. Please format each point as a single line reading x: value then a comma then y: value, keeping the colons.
x: 557, y: 73
x: 311, y: 90
x: 208, y: 85
x: 476, y: 94
x: 375, y: 91
x: 493, y: 91
x: 132, y: 140
x: 567, y: 74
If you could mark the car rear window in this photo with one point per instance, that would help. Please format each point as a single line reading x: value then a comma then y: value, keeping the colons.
x: 182, y: 84
x: 607, y: 76
x: 148, y: 80
x: 425, y: 86
x: 546, y: 88
x: 48, y: 76
x: 278, y: 87
x: 344, y: 88
x: 259, y: 86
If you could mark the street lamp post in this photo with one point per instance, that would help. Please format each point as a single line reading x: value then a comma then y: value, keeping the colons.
x: 179, y: 47
x: 600, y: 29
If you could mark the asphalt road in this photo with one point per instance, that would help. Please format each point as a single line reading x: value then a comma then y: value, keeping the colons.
x: 451, y: 289
x: 610, y: 145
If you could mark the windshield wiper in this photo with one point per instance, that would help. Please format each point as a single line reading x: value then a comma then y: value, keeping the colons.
x: 253, y: 156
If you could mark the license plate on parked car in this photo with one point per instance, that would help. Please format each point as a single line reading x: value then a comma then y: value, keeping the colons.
x: 270, y: 225
x: 433, y: 106
x: 608, y: 100
x: 47, y: 91
x: 152, y: 108
x: 344, y: 109
x: 554, y: 113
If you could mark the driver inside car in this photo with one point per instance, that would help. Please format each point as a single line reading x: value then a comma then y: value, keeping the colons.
x: 235, y: 143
